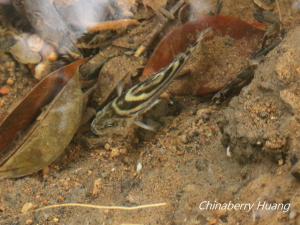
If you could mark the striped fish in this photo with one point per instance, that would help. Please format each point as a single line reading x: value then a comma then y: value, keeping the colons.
x: 128, y: 106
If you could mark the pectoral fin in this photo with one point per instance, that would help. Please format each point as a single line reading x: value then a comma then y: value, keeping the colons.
x: 144, y: 126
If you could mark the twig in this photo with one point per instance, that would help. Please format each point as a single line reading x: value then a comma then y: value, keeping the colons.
x: 279, y: 11
x: 126, y: 208
x: 112, y: 25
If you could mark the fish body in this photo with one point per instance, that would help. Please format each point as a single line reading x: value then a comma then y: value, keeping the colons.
x: 130, y: 105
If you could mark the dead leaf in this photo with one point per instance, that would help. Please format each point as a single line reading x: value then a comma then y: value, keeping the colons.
x: 39, y: 128
x: 199, y: 82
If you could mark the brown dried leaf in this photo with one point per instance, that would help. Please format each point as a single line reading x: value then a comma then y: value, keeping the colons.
x: 32, y: 136
x: 181, y: 37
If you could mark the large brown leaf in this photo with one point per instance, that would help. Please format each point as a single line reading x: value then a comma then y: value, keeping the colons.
x: 182, y: 36
x: 39, y: 128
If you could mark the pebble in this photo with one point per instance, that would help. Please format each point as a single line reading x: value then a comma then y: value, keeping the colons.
x: 115, y: 152
x: 107, y: 146
x: 27, y: 207
x: 184, y: 139
x: 123, y: 151
x: 40, y: 70
x: 10, y: 81
x: 29, y: 222
x: 52, y: 57
x: 139, y: 167
x: 292, y: 215
x: 55, y: 220
x: 213, y: 221
x: 228, y: 152
x: 4, y: 90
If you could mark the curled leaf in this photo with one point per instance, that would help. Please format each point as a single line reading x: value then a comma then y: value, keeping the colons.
x: 40, y: 127
x: 246, y: 35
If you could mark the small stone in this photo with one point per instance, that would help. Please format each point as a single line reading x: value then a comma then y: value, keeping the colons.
x: 52, y: 57
x: 107, y: 146
x: 184, y: 139
x: 280, y: 162
x: 213, y: 222
x: 292, y: 215
x: 228, y: 152
x: 123, y: 151
x: 10, y: 81
x: 27, y: 207
x: 55, y: 220
x: 4, y: 90
x: 97, y: 187
x: 139, y: 167
x: 29, y: 222
x: 23, y: 54
x: 41, y: 70
x: 115, y: 152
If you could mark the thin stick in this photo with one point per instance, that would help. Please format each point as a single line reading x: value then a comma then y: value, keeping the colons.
x: 279, y: 11
x: 126, y: 208
x: 112, y: 25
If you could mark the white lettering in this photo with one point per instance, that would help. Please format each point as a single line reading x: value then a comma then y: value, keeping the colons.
x: 203, y: 203
x: 247, y: 207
